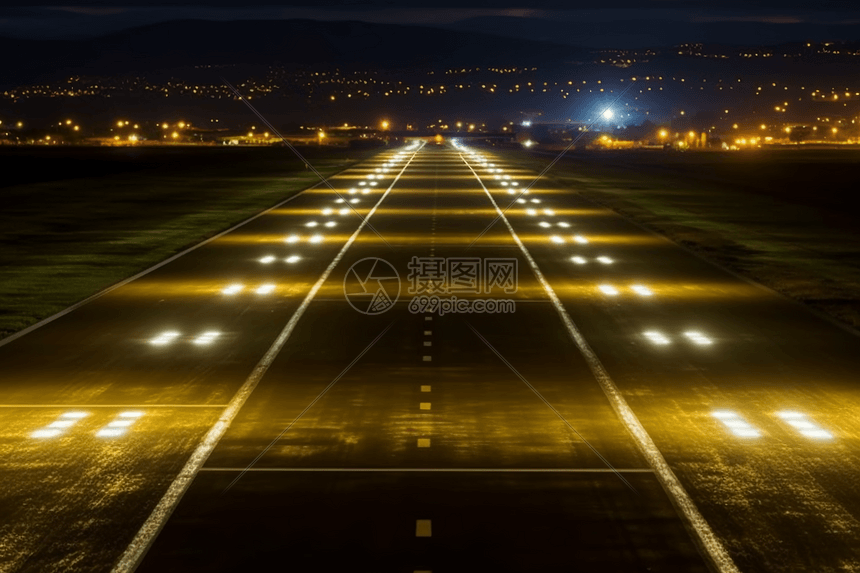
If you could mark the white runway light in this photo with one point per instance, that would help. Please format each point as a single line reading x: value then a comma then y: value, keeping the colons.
x: 563, y: 224
x: 737, y: 425
x: 265, y: 289
x: 292, y: 239
x: 535, y: 200
x: 608, y: 289
x: 311, y: 224
x: 267, y: 259
x: 804, y: 426
x: 330, y: 224
x: 698, y: 337
x: 327, y: 211
x: 544, y: 224
x: 549, y: 212
x: 656, y: 337
x: 207, y: 337
x: 531, y: 212
x: 316, y: 239
x: 343, y: 212
x: 164, y: 338
x: 556, y: 239
x: 233, y: 289
x: 60, y: 425
x: 578, y: 260
x: 641, y: 290
x: 292, y: 259
x: 119, y: 425
x: 605, y: 260
x: 352, y: 191
x: 580, y: 239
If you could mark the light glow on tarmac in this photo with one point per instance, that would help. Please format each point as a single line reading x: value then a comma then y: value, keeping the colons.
x: 641, y: 290
x: 804, y: 426
x: 698, y: 337
x: 207, y: 337
x: 608, y: 289
x: 55, y: 428
x: 265, y: 289
x: 737, y: 425
x: 119, y: 425
x: 164, y: 338
x: 656, y: 337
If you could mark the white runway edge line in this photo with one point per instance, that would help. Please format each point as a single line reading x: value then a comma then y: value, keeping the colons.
x: 713, y: 551
x: 141, y: 543
x: 156, y: 266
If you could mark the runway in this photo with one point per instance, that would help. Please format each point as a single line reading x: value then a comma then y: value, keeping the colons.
x: 435, y: 364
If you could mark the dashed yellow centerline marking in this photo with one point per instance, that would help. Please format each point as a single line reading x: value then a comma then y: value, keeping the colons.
x: 424, y: 405
x: 423, y: 442
x: 428, y: 343
x: 428, y: 358
x: 425, y: 388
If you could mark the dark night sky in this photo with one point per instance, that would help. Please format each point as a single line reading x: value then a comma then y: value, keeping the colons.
x: 609, y: 22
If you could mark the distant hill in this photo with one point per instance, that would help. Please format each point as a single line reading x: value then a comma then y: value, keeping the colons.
x: 631, y: 34
x: 304, y: 42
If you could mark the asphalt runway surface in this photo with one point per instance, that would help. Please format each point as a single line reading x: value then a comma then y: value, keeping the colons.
x: 288, y: 396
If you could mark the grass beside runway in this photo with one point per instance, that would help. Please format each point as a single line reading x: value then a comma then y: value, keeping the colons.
x: 785, y: 218
x: 114, y: 212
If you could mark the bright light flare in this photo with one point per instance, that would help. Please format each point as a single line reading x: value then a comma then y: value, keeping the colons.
x: 641, y: 290
x: 737, y: 425
x: 608, y: 114
x: 164, y: 338
x: 804, y: 426
x: 698, y: 338
x: 608, y: 290
x: 207, y: 337
x: 55, y: 428
x: 656, y: 338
